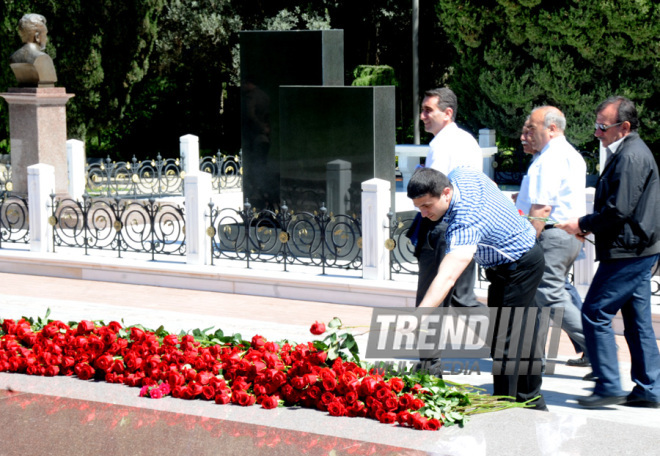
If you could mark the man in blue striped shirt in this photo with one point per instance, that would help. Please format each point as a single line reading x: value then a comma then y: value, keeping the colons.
x: 482, y: 223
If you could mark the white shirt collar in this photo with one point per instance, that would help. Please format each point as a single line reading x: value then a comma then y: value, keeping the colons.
x: 615, y: 145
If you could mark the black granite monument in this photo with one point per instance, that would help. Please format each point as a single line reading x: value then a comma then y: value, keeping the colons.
x: 268, y: 61
x: 331, y: 140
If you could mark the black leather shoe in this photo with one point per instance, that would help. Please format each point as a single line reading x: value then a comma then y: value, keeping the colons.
x: 590, y: 377
x: 578, y: 362
x: 634, y: 401
x: 596, y: 401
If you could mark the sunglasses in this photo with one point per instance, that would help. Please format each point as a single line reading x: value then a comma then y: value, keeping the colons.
x: 603, y: 127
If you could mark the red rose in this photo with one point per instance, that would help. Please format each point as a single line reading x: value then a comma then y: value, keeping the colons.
x: 49, y: 331
x: 404, y: 418
x: 317, y: 328
x: 171, y: 339
x: 357, y: 409
x: 419, y: 421
x: 117, y: 366
x: 329, y: 384
x: 243, y: 398
x: 417, y: 404
x: 396, y: 384
x: 85, y: 327
x: 391, y: 403
x: 336, y: 408
x: 137, y: 334
x: 269, y: 402
x: 387, y: 417
x: 258, y: 342
x: 222, y: 397
x: 208, y: 392
x: 433, y: 424
x: 104, y: 362
x: 84, y: 371
x: 298, y: 382
x: 406, y: 401
x: 114, y: 326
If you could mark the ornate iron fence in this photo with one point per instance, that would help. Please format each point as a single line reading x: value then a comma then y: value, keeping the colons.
x: 402, y: 258
x: 14, y: 220
x: 159, y: 177
x: 226, y: 170
x: 284, y: 237
x: 135, y: 179
x: 103, y: 224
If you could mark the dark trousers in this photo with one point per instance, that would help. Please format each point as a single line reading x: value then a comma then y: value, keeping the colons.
x: 622, y: 285
x: 513, y: 285
x: 431, y: 253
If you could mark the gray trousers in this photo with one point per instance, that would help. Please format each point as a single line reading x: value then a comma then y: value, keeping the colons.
x: 560, y: 250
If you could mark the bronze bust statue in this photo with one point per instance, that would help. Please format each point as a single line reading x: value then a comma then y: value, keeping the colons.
x: 33, y: 67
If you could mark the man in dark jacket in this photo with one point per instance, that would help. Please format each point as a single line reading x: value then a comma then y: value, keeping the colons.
x: 626, y: 225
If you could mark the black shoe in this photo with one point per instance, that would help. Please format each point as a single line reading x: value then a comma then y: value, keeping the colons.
x: 590, y: 377
x: 635, y: 401
x: 578, y: 362
x: 596, y: 401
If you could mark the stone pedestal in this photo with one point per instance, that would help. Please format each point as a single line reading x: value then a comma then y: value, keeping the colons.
x: 37, y: 132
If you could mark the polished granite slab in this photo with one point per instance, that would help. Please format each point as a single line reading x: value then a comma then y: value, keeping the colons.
x: 53, y: 425
x: 25, y: 424
x: 71, y: 416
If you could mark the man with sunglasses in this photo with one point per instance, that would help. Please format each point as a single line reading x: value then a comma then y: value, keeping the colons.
x: 626, y: 225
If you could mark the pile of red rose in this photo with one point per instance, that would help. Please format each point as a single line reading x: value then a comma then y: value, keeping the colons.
x: 263, y: 372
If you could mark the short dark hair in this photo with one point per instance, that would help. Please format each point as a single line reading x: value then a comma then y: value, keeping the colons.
x: 626, y: 110
x: 446, y: 99
x: 427, y: 181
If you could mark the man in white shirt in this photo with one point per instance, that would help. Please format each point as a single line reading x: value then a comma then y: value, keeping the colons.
x: 451, y: 148
x: 555, y: 188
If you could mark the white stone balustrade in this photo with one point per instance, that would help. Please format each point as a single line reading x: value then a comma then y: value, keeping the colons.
x: 376, y: 201
x: 75, y: 158
x: 197, y: 188
x: 189, y: 152
x: 41, y: 184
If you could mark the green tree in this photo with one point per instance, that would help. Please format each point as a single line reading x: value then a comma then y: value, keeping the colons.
x: 510, y: 56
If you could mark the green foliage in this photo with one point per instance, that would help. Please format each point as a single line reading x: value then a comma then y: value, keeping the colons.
x: 339, y: 342
x: 374, y: 75
x: 513, y: 55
